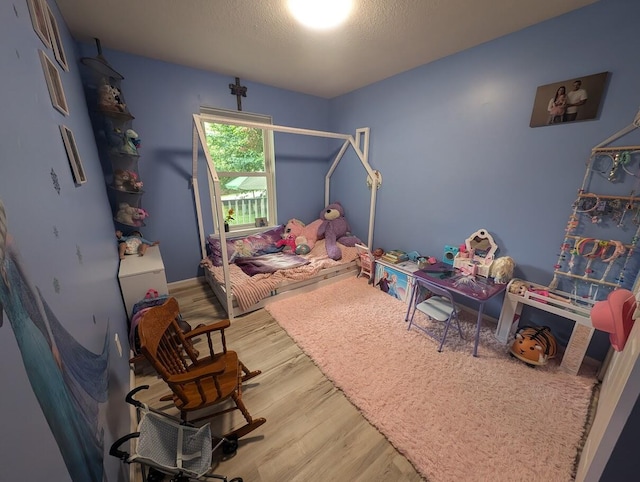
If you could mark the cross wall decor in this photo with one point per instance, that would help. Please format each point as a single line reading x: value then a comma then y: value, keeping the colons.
x: 239, y: 91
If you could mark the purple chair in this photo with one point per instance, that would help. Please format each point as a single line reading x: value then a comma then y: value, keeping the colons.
x: 439, y: 307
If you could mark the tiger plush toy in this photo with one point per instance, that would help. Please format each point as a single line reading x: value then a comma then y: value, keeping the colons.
x: 534, y: 345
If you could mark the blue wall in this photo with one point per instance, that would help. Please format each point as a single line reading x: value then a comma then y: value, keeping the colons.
x: 65, y: 236
x: 454, y: 136
x: 163, y: 98
x: 451, y: 138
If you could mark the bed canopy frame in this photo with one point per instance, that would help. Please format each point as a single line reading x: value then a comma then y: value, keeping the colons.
x: 359, y: 142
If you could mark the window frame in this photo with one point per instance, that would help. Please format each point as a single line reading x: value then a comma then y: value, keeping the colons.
x: 224, y: 116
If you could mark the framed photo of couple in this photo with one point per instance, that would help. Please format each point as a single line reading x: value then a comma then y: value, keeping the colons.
x: 570, y: 100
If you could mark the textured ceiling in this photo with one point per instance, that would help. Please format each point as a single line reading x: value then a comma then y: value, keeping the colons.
x: 259, y: 41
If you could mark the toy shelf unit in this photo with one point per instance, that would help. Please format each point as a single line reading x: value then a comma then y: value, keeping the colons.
x: 599, y: 250
x: 117, y: 141
x: 124, y: 183
x: 566, y: 305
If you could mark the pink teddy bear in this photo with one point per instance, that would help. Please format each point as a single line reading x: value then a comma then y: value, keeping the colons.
x: 303, y: 234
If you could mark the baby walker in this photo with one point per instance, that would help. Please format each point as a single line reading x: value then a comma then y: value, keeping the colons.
x: 168, y: 446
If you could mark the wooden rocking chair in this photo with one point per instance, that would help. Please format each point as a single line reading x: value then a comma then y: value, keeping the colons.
x: 195, y: 383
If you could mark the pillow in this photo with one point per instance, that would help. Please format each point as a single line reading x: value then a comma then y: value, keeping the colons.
x: 242, y: 246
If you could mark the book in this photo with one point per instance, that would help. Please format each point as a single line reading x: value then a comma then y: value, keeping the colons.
x: 395, y: 256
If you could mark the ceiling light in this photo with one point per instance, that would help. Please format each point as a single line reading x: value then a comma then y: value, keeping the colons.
x: 320, y: 14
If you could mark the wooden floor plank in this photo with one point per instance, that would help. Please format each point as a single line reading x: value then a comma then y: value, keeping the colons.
x: 313, y: 433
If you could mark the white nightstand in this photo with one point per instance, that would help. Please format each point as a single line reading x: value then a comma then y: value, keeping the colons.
x: 139, y: 274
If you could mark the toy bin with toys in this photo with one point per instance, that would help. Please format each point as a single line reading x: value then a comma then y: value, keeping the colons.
x: 395, y: 279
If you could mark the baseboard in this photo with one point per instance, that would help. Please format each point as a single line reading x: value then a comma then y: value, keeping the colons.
x: 184, y: 282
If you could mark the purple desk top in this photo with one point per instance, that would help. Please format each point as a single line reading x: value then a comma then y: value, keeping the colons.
x: 448, y: 277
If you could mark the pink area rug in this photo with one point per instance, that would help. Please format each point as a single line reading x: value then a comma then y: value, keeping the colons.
x: 455, y: 417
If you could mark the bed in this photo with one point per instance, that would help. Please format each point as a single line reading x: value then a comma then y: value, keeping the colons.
x: 258, y: 275
x: 240, y: 292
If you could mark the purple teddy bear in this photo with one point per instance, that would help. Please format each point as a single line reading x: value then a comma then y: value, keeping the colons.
x: 334, y: 229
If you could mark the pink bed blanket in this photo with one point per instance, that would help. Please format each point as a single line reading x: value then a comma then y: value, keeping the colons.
x: 249, y: 290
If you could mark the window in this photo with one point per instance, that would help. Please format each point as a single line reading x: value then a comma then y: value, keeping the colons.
x: 244, y: 160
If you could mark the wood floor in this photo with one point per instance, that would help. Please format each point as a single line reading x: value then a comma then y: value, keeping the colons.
x: 313, y: 433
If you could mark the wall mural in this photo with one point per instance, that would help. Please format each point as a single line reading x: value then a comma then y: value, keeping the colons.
x: 68, y: 380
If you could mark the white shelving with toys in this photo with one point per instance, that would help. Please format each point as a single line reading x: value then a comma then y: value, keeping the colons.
x: 117, y: 141
x: 603, y: 230
x: 599, y: 251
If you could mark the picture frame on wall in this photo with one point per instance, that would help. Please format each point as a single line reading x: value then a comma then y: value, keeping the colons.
x: 77, y: 169
x: 567, y: 101
x: 39, y: 20
x: 56, y: 41
x: 54, y: 83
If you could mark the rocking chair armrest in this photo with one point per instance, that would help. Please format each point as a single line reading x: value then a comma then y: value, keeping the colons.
x: 210, y: 370
x: 201, y: 330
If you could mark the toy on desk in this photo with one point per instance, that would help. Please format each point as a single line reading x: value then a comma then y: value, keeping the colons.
x: 502, y: 269
x: 378, y: 253
x: 450, y: 252
x: 471, y: 283
x: 469, y: 269
x: 534, y: 345
x: 479, y: 251
x: 425, y: 261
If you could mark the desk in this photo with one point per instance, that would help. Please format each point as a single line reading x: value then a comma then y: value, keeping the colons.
x: 449, y: 278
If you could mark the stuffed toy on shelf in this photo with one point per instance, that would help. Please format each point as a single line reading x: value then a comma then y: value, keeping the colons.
x: 134, y: 243
x: 131, y: 215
